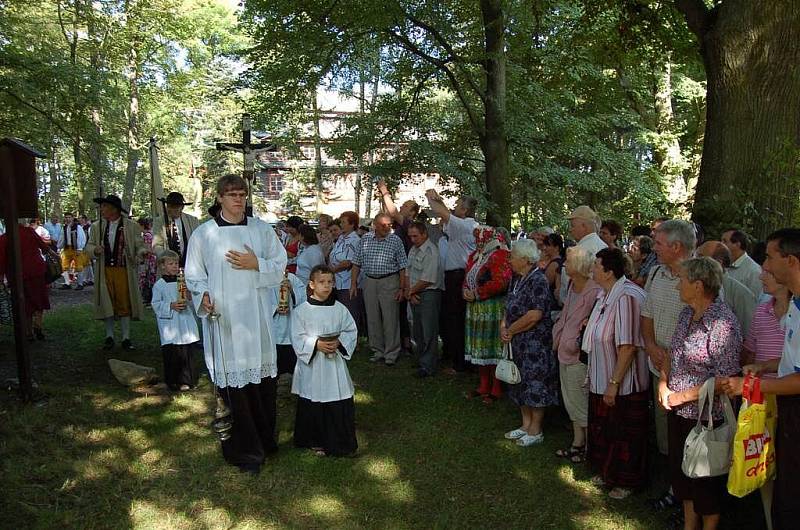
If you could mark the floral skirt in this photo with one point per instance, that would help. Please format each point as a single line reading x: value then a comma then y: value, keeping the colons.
x: 482, y: 334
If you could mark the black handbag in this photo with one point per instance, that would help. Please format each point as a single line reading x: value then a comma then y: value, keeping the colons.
x: 54, y: 270
x: 583, y: 356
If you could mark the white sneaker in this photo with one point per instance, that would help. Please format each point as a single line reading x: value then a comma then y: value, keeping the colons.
x: 527, y: 440
x: 516, y: 434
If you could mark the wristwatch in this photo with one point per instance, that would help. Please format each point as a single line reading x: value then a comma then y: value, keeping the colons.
x: 612, y: 381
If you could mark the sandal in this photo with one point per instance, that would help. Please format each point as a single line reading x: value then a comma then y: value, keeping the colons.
x: 570, y: 451
x: 620, y: 493
x: 579, y: 458
x: 662, y: 503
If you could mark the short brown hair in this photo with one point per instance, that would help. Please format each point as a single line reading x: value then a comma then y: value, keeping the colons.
x: 352, y: 218
x: 230, y: 182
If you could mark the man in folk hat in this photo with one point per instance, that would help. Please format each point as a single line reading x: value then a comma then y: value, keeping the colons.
x: 172, y: 232
x: 116, y: 242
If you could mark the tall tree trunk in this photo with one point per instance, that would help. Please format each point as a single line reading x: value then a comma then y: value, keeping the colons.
x: 55, y: 182
x: 96, y: 156
x: 494, y: 142
x: 371, y: 155
x: 133, y: 120
x: 750, y: 166
x: 317, y: 154
x: 667, y: 151
x: 360, y: 168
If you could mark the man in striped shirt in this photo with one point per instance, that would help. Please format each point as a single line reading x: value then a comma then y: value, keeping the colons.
x: 383, y: 257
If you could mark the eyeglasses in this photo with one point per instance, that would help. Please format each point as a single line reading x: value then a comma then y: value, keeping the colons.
x: 234, y: 195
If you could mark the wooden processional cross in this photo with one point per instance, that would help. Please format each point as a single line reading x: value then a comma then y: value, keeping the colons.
x: 249, y: 152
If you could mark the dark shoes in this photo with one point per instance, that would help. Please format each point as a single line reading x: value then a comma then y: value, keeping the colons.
x: 65, y: 287
x: 109, y: 343
x: 79, y: 287
x: 253, y: 469
x: 126, y: 344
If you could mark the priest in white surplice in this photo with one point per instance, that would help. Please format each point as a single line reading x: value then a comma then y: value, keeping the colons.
x: 232, y: 264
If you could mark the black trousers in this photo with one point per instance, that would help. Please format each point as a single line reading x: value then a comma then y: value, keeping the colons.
x: 178, y: 366
x: 785, y: 508
x: 287, y: 358
x: 453, y: 317
x: 254, y: 412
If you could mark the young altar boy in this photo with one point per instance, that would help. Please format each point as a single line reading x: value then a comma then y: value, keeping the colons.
x: 324, y: 335
x: 176, y: 325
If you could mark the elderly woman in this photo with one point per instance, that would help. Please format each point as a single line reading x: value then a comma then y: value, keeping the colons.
x: 705, y: 344
x: 324, y: 235
x: 528, y: 328
x: 485, y: 284
x: 618, y: 380
x: 581, y: 296
x: 340, y: 261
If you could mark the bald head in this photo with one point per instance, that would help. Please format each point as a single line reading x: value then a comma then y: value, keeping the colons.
x: 716, y: 251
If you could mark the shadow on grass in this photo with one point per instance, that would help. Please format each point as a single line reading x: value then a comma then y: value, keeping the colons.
x: 98, y: 456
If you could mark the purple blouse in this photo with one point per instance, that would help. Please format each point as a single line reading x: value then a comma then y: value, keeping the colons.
x: 707, y: 348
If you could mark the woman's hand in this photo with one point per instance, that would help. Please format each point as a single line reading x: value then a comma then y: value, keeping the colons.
x: 674, y: 399
x: 468, y: 295
x: 663, y: 394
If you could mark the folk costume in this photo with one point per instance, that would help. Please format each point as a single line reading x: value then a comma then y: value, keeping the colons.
x: 71, y: 242
x: 116, y: 295
x: 178, y: 331
x: 173, y: 234
x: 325, y: 417
x: 488, y: 275
x: 282, y: 324
x: 243, y: 342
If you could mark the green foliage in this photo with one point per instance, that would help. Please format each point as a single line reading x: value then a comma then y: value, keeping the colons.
x: 60, y: 61
x: 584, y: 121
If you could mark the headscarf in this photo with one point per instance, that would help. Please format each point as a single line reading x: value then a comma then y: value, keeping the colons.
x: 487, y: 240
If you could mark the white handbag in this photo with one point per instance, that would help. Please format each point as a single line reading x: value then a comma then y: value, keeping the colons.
x: 707, y: 450
x: 506, y: 370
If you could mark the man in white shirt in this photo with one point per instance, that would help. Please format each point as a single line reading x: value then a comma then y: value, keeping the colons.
x: 70, y: 244
x: 584, y: 224
x: 458, y: 226
x: 783, y: 262
x: 743, y: 267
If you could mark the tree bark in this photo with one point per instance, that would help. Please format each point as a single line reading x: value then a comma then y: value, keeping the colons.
x: 749, y: 169
x: 133, y: 120
x: 55, y: 182
x: 494, y: 142
x: 318, y: 184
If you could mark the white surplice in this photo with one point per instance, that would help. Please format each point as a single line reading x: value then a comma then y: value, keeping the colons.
x: 316, y: 377
x: 174, y: 327
x: 244, y: 345
x: 282, y: 324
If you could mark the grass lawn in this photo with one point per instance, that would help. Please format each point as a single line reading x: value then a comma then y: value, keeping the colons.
x: 97, y: 455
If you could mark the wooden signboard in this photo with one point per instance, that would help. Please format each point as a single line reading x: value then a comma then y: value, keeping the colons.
x: 18, y: 198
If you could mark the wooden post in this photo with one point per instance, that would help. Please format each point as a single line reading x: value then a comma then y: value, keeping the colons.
x: 17, y: 162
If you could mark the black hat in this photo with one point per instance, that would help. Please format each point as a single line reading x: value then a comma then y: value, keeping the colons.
x: 113, y: 200
x: 174, y: 198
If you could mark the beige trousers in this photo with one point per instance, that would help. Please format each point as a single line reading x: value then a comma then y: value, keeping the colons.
x: 383, y: 316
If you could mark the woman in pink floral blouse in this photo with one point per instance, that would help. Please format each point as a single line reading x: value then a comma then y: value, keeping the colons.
x: 706, y: 343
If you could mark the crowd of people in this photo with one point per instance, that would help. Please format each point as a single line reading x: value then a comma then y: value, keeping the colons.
x: 623, y: 329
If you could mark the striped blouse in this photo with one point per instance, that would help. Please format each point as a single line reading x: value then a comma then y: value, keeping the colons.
x: 766, y: 334
x: 614, y: 322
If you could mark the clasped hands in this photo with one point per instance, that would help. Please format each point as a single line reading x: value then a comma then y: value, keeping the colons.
x: 328, y: 346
